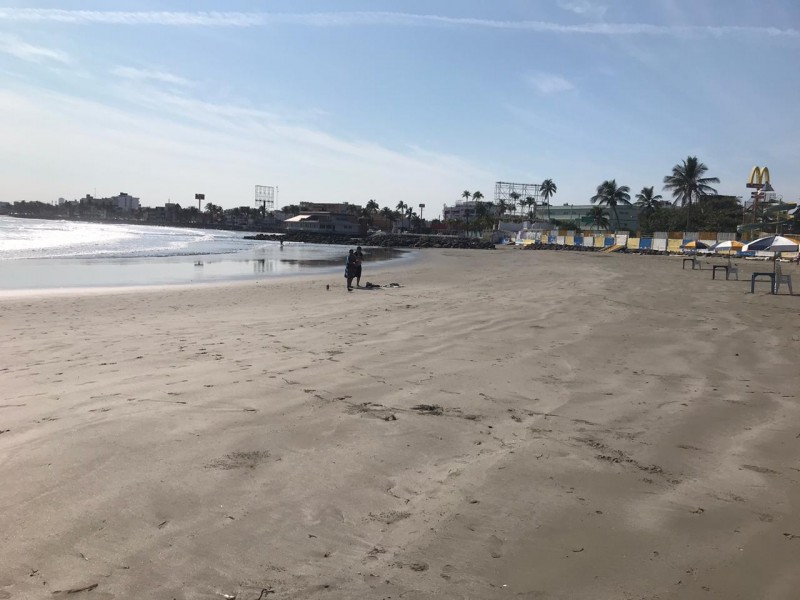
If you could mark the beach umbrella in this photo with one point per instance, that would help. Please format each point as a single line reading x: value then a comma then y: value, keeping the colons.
x: 695, y: 245
x: 774, y: 243
x: 727, y: 246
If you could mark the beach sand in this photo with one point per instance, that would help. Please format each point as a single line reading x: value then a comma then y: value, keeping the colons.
x: 509, y: 424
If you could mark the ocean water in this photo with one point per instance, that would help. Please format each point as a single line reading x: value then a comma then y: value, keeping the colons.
x: 37, y: 254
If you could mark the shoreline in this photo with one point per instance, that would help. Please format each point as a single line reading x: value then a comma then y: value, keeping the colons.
x: 37, y: 275
x: 526, y: 424
x: 326, y: 273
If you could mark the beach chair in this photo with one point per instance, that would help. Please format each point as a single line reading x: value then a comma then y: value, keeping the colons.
x: 732, y: 270
x: 782, y: 278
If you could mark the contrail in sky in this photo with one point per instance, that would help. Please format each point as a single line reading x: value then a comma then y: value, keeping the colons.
x: 348, y: 19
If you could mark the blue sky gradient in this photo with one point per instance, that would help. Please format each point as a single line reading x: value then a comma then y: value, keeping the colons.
x: 412, y: 101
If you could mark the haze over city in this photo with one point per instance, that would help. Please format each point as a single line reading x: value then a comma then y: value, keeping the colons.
x: 413, y: 101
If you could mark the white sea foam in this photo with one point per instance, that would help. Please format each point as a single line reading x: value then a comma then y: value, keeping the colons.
x: 37, y: 254
x: 36, y: 238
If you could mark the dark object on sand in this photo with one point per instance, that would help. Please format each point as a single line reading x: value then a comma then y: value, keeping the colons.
x: 428, y: 409
x: 88, y: 588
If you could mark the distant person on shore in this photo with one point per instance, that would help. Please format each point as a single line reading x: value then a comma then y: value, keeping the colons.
x: 350, y: 269
x: 359, y: 256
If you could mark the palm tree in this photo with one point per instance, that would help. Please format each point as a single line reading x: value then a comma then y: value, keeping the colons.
x: 598, y: 217
x: 513, y: 204
x: 401, y: 208
x: 214, y: 212
x: 548, y: 190
x: 531, y: 201
x: 388, y: 214
x: 610, y: 195
x: 409, y: 214
x: 502, y: 207
x: 647, y: 201
x: 476, y: 198
x: 466, y: 195
x: 372, y: 208
x: 482, y: 214
x: 687, y: 183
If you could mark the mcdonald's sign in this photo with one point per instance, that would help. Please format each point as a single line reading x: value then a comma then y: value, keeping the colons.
x: 759, y: 177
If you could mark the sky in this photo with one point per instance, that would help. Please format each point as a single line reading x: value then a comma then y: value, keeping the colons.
x: 412, y: 101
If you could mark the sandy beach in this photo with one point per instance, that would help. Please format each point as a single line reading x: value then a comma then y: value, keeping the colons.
x: 508, y: 424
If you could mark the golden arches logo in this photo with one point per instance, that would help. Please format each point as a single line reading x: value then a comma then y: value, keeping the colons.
x: 759, y: 177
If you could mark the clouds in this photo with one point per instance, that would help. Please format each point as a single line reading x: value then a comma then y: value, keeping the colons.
x: 341, y: 105
x: 548, y: 83
x: 135, y: 74
x: 583, y: 8
x: 374, y: 19
x: 176, y: 143
x: 22, y: 50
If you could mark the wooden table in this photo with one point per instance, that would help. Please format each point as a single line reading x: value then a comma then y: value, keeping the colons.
x: 694, y: 262
x: 714, y: 271
x: 771, y: 276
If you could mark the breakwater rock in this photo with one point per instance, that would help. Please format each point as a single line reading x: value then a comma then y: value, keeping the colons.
x: 383, y: 240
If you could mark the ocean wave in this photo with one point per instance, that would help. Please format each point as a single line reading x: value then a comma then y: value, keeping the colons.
x: 41, y: 239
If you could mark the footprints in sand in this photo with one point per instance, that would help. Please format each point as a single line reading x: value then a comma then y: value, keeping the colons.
x: 239, y: 460
x: 390, y: 517
x: 371, y: 409
x: 615, y: 456
x: 419, y: 567
x: 387, y: 413
x: 689, y: 447
x: 758, y: 469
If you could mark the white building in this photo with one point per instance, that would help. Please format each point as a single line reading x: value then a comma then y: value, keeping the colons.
x: 322, y: 222
x: 125, y: 202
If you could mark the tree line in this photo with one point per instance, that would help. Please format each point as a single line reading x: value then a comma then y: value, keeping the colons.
x: 695, y: 204
x: 689, y: 186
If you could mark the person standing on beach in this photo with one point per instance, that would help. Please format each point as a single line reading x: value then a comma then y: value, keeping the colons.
x: 359, y: 257
x: 350, y: 269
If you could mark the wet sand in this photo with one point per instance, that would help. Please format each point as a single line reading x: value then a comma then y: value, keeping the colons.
x: 509, y: 424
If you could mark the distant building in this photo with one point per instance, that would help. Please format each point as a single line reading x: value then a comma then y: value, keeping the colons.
x: 579, y: 215
x: 465, y: 210
x: 125, y: 202
x: 171, y: 211
x: 336, y: 208
x: 323, y: 222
